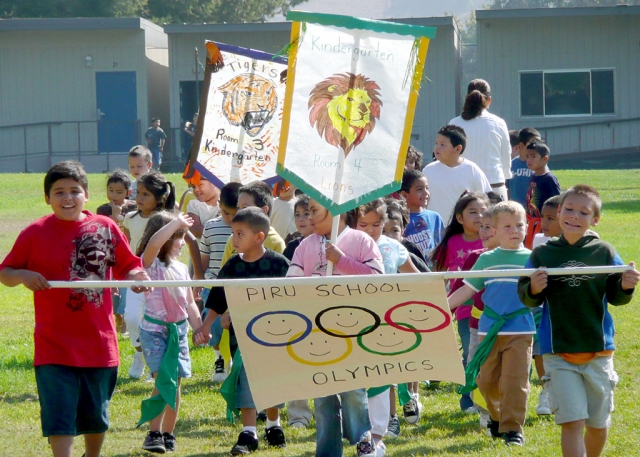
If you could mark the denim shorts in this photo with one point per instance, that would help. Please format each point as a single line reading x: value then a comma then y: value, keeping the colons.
x: 154, y: 346
x: 74, y: 400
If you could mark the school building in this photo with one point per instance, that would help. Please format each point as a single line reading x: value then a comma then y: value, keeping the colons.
x: 439, y: 99
x: 82, y: 89
x: 571, y: 73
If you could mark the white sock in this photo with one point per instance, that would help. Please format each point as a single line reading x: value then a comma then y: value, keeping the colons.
x: 217, y: 353
x: 275, y: 423
x: 251, y: 429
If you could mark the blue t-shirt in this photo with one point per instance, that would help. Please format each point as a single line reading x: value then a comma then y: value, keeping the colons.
x: 501, y: 294
x: 519, y: 184
x: 541, y: 188
x: 394, y: 254
x: 425, y: 230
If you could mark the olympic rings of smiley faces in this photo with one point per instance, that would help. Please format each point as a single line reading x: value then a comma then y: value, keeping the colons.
x: 425, y: 317
x: 388, y: 340
x: 318, y: 349
x: 275, y: 328
x: 356, y: 320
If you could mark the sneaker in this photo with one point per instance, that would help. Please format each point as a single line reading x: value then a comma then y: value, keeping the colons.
x: 393, y: 429
x: 149, y: 377
x: 246, y: 444
x: 154, y: 442
x: 169, y: 442
x: 471, y: 410
x: 137, y: 367
x: 412, y: 410
x: 484, y: 420
x: 543, y: 408
x: 297, y: 424
x: 514, y: 438
x: 365, y: 449
x: 275, y: 437
x: 219, y: 374
x: 494, y: 427
x: 381, y: 449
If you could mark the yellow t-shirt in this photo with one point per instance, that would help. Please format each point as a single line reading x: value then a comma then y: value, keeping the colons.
x: 273, y: 241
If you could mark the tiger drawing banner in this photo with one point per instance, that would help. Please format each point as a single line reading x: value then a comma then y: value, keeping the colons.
x: 242, y: 103
x: 352, y: 88
x: 334, y: 334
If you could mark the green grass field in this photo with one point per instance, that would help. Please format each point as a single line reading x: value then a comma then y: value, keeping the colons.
x: 203, y: 430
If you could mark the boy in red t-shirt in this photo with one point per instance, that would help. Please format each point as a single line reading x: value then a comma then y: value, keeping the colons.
x: 76, y: 350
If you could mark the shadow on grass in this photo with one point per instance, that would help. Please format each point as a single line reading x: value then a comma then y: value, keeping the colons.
x: 18, y: 398
x: 625, y: 206
x: 16, y: 363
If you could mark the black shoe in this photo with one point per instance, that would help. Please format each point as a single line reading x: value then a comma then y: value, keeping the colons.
x: 169, y: 442
x: 493, y: 427
x: 275, y: 437
x: 247, y: 443
x: 514, y: 438
x: 154, y: 442
x: 262, y: 416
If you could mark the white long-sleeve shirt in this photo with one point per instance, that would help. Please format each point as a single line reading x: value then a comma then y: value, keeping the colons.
x: 488, y: 145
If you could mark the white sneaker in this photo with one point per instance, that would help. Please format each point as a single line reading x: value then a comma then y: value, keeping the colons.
x: 381, y: 449
x: 412, y: 410
x: 543, y: 408
x: 219, y: 374
x: 137, y: 367
x: 149, y: 377
x: 484, y: 419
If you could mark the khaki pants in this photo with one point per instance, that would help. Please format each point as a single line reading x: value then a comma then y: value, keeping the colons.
x: 504, y: 380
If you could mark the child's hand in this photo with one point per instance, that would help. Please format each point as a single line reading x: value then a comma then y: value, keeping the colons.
x: 140, y: 275
x: 630, y: 277
x: 225, y: 321
x: 115, y: 210
x: 333, y: 253
x: 185, y: 220
x: 538, y: 281
x: 200, y: 338
x: 34, y: 281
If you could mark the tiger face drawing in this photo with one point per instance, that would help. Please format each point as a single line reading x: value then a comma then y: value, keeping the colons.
x: 249, y: 101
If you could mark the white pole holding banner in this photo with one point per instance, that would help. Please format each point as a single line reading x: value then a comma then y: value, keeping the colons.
x: 316, y: 280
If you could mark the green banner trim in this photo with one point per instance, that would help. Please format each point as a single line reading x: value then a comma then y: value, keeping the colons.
x: 330, y: 204
x: 349, y: 22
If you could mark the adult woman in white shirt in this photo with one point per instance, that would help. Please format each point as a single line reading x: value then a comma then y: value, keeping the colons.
x: 488, y: 143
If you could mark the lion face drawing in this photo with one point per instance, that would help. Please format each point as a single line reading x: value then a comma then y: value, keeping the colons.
x: 344, y: 109
x: 249, y: 101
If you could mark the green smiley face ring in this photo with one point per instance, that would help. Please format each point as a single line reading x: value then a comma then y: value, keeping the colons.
x: 388, y: 340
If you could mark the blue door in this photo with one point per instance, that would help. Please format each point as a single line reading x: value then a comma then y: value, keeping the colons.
x: 117, y: 111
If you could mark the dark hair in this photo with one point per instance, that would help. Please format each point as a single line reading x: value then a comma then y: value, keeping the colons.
x: 526, y: 134
x: 408, y: 178
x: 439, y: 254
x: 229, y: 194
x: 588, y: 191
x: 154, y: 119
x: 261, y: 193
x: 141, y: 151
x: 477, y: 100
x: 553, y: 202
x: 414, y: 153
x: 303, y: 200
x: 456, y: 135
x: 398, y: 208
x: 540, y: 147
x: 164, y: 191
x: 494, y: 197
x: 514, y: 137
x: 377, y: 205
x: 156, y: 222
x: 255, y: 219
x: 62, y: 170
x: 119, y: 175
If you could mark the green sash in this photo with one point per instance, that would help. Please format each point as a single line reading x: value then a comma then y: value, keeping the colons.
x: 230, y: 386
x: 167, y: 377
x: 485, y: 346
x: 403, y: 392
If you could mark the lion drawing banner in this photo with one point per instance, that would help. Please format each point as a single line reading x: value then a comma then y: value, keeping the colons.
x: 333, y: 334
x: 352, y: 88
x: 242, y: 103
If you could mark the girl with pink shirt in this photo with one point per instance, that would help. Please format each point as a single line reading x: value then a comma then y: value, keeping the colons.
x: 461, y: 237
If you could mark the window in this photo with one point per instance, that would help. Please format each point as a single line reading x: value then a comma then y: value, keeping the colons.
x: 566, y: 93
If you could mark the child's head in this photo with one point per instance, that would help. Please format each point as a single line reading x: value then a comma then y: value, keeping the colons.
x: 465, y: 220
x: 414, y: 159
x: 229, y: 201
x: 156, y: 122
x: 580, y: 208
x: 140, y: 161
x: 320, y: 218
x: 250, y: 228
x: 301, y: 215
x: 397, y: 219
x: 477, y: 100
x: 514, y: 141
x: 510, y: 224
x: 537, y: 156
x: 171, y: 249
x: 451, y: 141
x: 118, y: 186
x: 527, y: 135
x: 487, y: 232
x: 206, y: 191
x: 256, y: 193
x: 284, y: 190
x: 415, y: 190
x: 372, y: 217
x: 550, y: 223
x: 66, y: 189
x: 155, y: 193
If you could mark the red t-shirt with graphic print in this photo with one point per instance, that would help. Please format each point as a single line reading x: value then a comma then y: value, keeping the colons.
x: 74, y: 327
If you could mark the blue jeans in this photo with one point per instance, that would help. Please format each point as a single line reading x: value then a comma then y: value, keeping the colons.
x: 465, y: 337
x: 346, y: 416
x: 156, y: 156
